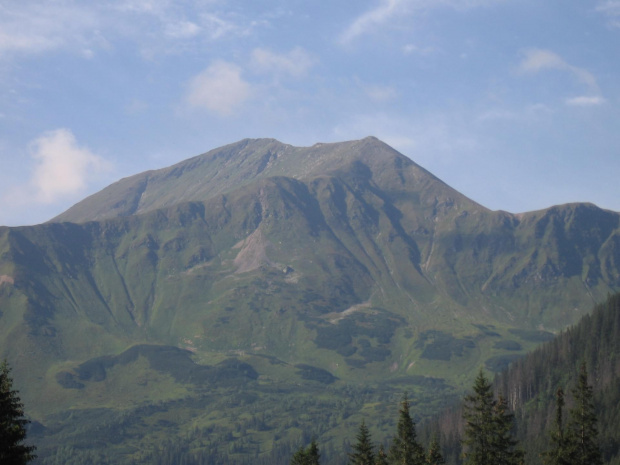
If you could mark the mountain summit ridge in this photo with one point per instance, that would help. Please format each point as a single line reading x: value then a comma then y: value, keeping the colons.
x: 231, y: 166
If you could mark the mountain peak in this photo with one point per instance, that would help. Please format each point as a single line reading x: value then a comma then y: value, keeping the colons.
x: 229, y: 167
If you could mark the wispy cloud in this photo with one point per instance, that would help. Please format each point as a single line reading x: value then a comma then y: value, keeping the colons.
x: 585, y: 101
x: 35, y: 26
x: 536, y: 60
x: 295, y: 63
x: 220, y: 89
x: 388, y: 10
x: 611, y: 9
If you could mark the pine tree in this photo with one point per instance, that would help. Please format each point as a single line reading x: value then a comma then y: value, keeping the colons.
x: 314, y: 457
x: 381, y: 457
x: 405, y: 449
x: 488, y: 425
x: 478, y: 415
x: 503, y: 445
x: 12, y: 423
x: 363, y: 454
x: 307, y: 456
x: 558, y: 454
x: 299, y: 457
x: 434, y: 456
x: 582, y: 433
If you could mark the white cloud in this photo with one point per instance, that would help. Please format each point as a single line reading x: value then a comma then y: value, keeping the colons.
x: 154, y: 26
x: 217, y: 27
x: 388, y: 10
x: 373, y: 18
x: 611, y: 9
x: 536, y: 60
x: 62, y: 167
x: 220, y: 88
x: 585, y: 101
x: 296, y: 63
x: 34, y: 27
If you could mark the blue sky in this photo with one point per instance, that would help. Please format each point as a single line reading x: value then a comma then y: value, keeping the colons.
x: 515, y: 103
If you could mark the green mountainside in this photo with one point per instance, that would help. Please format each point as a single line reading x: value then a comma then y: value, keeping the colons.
x: 531, y: 383
x: 189, y: 302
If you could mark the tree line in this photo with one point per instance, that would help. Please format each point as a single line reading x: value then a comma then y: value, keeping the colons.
x: 488, y: 434
x: 531, y: 385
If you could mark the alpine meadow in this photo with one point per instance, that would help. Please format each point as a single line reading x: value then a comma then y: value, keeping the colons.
x: 264, y: 304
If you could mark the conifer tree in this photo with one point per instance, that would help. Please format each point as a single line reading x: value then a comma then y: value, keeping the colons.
x: 299, y: 457
x: 478, y: 416
x: 558, y: 454
x: 405, y: 449
x: 503, y: 445
x: 363, y: 450
x: 307, y: 456
x: 381, y: 457
x: 12, y: 423
x: 314, y: 457
x: 487, y: 428
x: 434, y: 456
x: 582, y: 433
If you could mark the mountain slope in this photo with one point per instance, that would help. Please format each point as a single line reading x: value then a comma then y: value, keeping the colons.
x: 331, y: 264
x: 531, y: 383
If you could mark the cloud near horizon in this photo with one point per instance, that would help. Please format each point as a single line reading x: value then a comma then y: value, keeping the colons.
x: 62, y: 167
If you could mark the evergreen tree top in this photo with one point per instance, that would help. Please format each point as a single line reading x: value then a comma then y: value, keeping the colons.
x: 12, y: 423
x: 405, y: 449
x: 363, y: 453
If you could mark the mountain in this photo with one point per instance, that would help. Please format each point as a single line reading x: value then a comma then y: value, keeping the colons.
x: 261, y: 268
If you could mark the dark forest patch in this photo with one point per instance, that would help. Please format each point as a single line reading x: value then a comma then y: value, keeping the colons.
x: 488, y: 330
x: 165, y: 359
x: 439, y: 345
x: 365, y: 334
x: 507, y: 345
x: 311, y: 373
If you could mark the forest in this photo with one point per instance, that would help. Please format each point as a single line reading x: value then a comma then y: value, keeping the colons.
x: 531, y: 385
